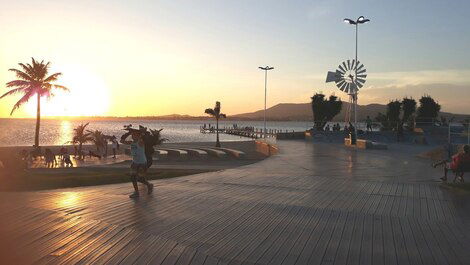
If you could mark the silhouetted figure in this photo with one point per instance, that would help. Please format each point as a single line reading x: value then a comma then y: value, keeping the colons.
x: 149, y: 142
x: 66, y: 159
x: 61, y: 153
x: 368, y: 124
x: 115, y: 145
x: 49, y: 158
x: 399, y: 131
x: 352, y: 133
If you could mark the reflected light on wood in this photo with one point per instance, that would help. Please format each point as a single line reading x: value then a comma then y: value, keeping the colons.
x: 68, y: 199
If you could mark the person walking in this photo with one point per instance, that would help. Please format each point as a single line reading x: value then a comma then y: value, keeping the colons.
x: 368, y: 124
x: 139, y: 161
x: 115, y: 145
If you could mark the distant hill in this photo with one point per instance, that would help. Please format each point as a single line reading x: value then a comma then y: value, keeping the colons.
x: 303, y: 112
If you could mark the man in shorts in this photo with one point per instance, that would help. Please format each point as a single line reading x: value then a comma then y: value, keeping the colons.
x: 139, y: 162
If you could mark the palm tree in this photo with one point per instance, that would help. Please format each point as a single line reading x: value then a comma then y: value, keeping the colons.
x: 80, y: 137
x: 215, y: 112
x: 98, y: 138
x: 156, y: 137
x: 33, y: 80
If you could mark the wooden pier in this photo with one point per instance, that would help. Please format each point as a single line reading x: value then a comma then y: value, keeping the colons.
x: 255, y: 133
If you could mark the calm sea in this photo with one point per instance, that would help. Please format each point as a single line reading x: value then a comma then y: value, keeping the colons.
x: 20, y: 132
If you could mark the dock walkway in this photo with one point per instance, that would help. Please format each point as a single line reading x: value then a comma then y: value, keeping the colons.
x: 310, y: 204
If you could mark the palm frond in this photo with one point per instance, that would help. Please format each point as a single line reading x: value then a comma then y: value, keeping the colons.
x: 52, y: 77
x: 13, y: 91
x: 22, y: 100
x: 61, y: 87
x: 210, y: 112
x: 21, y: 74
x: 19, y: 83
x: 221, y: 115
x: 28, y: 69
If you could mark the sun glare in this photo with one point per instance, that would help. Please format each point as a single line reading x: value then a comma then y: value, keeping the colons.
x: 88, y: 96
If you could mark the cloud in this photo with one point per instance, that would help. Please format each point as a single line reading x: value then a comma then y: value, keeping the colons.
x: 460, y: 77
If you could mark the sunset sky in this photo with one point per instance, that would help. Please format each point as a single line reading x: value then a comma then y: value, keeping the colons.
x: 133, y: 58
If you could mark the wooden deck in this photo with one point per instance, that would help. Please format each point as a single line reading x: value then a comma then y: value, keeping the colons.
x: 311, y: 204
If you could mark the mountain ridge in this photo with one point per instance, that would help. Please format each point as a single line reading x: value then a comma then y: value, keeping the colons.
x: 303, y: 112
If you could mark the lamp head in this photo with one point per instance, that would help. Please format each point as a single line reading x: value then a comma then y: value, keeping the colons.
x: 362, y: 20
x: 349, y: 21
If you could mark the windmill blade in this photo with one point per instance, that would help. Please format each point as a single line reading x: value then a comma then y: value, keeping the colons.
x: 360, y: 81
x: 341, y: 69
x: 361, y: 71
x: 361, y: 76
x: 343, y: 86
x: 339, y: 75
x: 360, y: 67
x: 349, y: 65
x: 344, y: 65
x: 340, y: 83
x: 353, y: 64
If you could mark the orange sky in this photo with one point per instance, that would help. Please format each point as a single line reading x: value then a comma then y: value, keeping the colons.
x: 166, y: 57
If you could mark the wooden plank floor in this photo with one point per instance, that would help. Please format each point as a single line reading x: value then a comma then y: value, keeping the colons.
x: 311, y: 204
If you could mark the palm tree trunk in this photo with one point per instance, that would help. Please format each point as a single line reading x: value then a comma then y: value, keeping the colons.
x: 38, y: 122
x: 217, y: 143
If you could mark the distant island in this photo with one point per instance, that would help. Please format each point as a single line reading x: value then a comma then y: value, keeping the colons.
x: 279, y: 112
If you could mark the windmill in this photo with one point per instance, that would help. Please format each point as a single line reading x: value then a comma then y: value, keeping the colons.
x: 349, y: 78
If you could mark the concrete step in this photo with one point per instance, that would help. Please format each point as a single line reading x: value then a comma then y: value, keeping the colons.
x: 196, y: 153
x: 176, y: 153
x: 214, y: 152
x: 234, y: 153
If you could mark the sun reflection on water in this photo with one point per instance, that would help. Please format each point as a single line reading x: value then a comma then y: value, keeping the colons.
x: 65, y: 132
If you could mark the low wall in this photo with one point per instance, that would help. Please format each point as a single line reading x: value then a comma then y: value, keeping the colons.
x: 266, y: 148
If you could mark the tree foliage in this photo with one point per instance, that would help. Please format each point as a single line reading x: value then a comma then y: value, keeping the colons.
x: 215, y: 112
x: 392, y: 116
x: 409, y: 108
x: 98, y: 139
x: 428, y: 109
x: 324, y: 110
x: 33, y: 80
x: 80, y: 136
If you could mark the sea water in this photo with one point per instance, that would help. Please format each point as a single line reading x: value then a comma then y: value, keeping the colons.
x: 20, y: 132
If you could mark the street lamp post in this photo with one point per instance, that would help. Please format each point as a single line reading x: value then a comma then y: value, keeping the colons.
x: 265, y: 69
x: 359, y: 20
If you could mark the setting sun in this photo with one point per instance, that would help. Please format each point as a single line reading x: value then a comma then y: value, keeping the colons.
x: 88, y: 95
